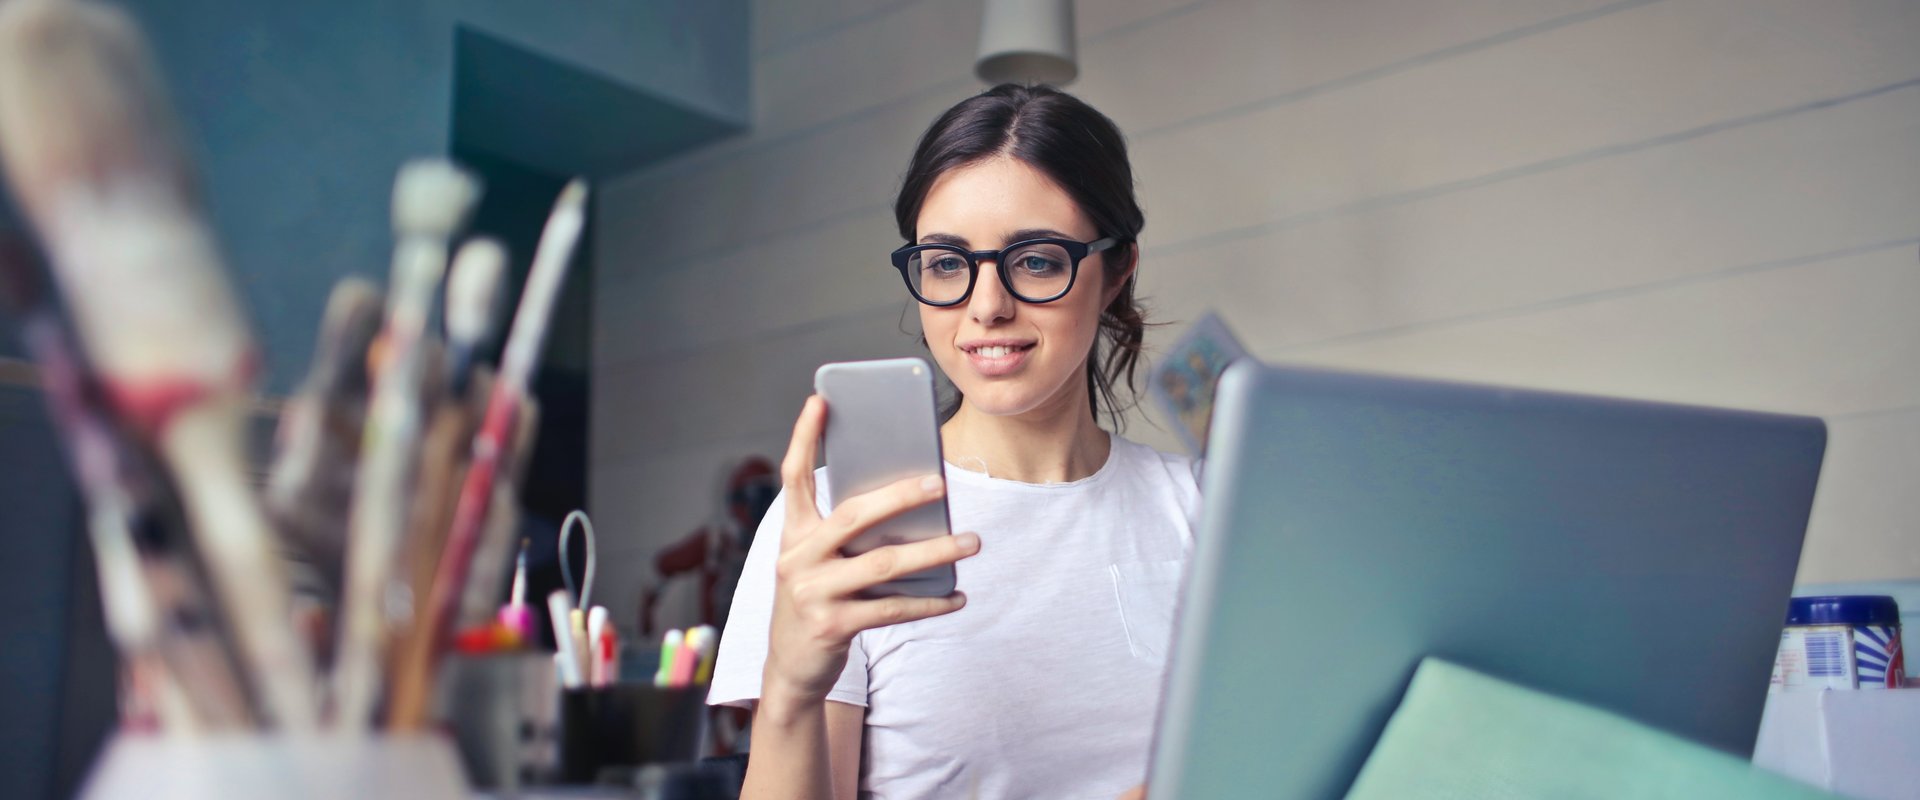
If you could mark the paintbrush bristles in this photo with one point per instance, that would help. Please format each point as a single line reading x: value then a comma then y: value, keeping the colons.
x: 79, y: 102
x: 473, y: 289
x: 87, y: 142
x: 431, y: 197
x: 350, y: 324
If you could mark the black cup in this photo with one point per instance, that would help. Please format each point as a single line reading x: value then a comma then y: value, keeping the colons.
x: 620, y: 727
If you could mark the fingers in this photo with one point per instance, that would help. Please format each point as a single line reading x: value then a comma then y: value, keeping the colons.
x: 796, y: 471
x: 846, y: 576
x: 870, y: 614
x: 854, y: 515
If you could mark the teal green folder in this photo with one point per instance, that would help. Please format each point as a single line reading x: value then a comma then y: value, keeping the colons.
x: 1461, y: 734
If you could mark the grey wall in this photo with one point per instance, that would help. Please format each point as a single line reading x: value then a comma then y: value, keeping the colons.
x: 1709, y: 201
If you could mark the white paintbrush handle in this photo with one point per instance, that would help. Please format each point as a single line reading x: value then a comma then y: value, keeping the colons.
x: 549, y: 272
x: 383, y: 483
x: 204, y: 446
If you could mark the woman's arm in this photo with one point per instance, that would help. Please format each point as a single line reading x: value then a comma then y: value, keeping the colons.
x: 806, y: 747
x: 805, y: 750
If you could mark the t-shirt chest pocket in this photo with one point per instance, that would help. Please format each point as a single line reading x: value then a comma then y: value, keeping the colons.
x: 1146, y: 592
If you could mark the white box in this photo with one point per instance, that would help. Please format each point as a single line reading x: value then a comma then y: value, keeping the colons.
x: 1861, y: 744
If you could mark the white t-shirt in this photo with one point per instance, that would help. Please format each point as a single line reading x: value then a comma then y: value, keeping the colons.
x: 1045, y: 685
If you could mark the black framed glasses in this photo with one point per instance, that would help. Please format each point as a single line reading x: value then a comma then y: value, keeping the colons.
x: 1034, y: 270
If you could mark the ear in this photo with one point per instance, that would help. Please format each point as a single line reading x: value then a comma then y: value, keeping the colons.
x: 1112, y: 290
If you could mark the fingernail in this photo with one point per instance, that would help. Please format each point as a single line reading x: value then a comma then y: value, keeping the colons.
x: 969, y: 542
x: 959, y: 599
x: 931, y: 484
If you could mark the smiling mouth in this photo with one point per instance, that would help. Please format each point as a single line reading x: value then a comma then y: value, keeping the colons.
x: 997, y: 350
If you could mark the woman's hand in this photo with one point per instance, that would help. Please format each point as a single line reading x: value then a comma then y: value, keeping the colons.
x: 815, y: 613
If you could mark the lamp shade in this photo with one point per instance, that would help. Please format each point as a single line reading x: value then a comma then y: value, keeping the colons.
x: 1027, y: 41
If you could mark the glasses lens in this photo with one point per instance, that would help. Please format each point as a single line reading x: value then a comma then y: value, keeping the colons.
x: 938, y: 276
x: 1039, y: 271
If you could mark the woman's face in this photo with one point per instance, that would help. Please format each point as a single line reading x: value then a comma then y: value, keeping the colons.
x: 1007, y: 356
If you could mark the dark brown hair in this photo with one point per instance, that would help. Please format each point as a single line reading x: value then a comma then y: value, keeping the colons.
x: 1083, y: 152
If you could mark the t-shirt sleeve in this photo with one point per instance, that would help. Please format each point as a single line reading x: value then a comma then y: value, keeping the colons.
x: 743, y: 645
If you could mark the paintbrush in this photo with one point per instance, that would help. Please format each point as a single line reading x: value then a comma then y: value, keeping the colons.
x: 310, y: 486
x: 430, y: 200
x: 550, y: 261
x: 92, y: 154
x: 413, y: 667
x: 443, y: 462
x: 473, y: 291
x: 493, y: 555
x: 472, y: 295
x: 142, y: 624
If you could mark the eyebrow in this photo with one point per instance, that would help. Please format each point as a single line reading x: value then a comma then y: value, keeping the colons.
x: 1017, y: 236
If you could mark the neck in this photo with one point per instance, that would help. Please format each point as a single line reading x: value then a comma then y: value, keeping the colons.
x: 1058, y: 442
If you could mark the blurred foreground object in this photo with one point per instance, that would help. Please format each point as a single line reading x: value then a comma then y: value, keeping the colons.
x: 400, y: 443
x: 93, y: 156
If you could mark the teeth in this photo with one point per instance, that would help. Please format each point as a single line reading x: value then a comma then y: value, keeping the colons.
x: 996, y: 351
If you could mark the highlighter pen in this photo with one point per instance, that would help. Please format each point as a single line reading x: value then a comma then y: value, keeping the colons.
x: 709, y: 643
x: 668, y: 645
x: 610, y: 654
x: 514, y: 615
x: 560, y: 610
x: 582, y: 651
x: 596, y: 628
x: 685, y: 660
x: 606, y: 655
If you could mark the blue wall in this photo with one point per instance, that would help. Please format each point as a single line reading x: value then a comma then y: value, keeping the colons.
x: 301, y: 111
x: 693, y: 52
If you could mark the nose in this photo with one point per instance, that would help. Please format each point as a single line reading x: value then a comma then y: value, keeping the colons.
x: 991, y: 302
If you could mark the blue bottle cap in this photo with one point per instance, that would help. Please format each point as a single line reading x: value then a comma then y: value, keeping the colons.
x: 1843, y: 610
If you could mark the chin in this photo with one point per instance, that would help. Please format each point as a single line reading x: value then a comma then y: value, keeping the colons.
x: 1002, y: 396
x: 1006, y: 397
x: 997, y: 401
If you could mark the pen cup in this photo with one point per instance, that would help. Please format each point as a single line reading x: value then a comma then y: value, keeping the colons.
x: 628, y: 725
x: 500, y: 709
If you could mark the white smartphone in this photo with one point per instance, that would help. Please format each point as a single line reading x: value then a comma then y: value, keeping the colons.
x: 881, y: 428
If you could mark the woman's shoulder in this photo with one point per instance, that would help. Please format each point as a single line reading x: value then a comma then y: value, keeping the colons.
x: 1181, y: 469
x: 1175, y: 478
x: 1176, y: 469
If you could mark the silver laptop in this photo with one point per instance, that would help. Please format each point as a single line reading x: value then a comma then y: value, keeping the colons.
x: 1634, y: 556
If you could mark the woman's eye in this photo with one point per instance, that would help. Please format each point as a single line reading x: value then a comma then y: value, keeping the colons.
x: 946, y: 266
x: 1037, y: 265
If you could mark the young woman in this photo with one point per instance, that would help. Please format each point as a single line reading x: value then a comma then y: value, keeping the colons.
x: 1041, y: 676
